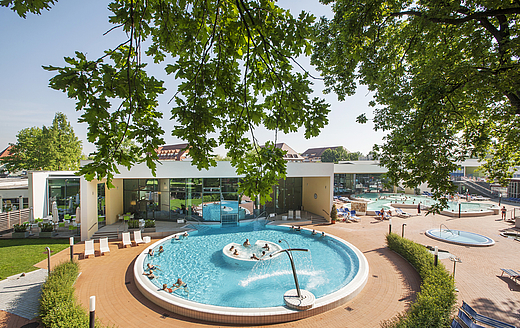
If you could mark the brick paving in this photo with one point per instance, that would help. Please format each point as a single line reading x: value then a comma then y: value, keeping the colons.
x: 390, y: 289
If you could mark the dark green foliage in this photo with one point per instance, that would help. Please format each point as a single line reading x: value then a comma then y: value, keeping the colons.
x: 58, y: 305
x: 46, y: 226
x: 149, y: 223
x: 133, y: 224
x: 445, y: 77
x: 21, y: 227
x: 48, y: 148
x: 436, y: 300
x: 334, y: 212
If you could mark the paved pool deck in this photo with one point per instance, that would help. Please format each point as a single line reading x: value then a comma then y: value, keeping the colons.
x: 391, y: 286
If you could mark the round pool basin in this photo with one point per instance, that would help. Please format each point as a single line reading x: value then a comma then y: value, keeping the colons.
x: 259, y: 314
x: 460, y: 237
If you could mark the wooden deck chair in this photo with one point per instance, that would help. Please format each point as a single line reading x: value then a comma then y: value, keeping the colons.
x: 137, y: 238
x: 89, y: 248
x: 126, y: 239
x: 103, y: 246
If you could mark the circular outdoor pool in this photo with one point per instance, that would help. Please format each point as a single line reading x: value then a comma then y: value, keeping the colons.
x: 220, y: 290
x: 460, y: 237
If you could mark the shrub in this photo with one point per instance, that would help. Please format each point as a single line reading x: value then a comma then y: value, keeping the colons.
x: 133, y: 224
x: 436, y: 300
x: 58, y: 306
x: 46, y: 227
x: 149, y: 223
x: 334, y: 213
x: 21, y: 227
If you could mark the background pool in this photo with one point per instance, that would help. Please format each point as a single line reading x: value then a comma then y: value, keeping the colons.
x: 380, y: 200
x: 212, y: 211
x: 198, y: 260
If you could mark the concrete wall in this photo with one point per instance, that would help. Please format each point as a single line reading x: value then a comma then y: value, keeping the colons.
x: 89, y: 213
x: 317, y: 195
x: 113, y: 201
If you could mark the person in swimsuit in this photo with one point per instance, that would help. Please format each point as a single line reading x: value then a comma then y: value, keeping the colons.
x: 180, y: 284
x: 247, y: 243
x: 150, y: 252
x: 150, y: 274
x: 314, y: 232
x: 166, y: 289
x: 232, y: 248
x: 235, y: 252
x: 152, y: 266
x: 161, y: 249
x: 266, y: 246
x: 254, y: 257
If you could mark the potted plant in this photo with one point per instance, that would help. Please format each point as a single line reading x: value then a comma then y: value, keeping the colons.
x: 133, y: 225
x: 149, y: 226
x: 20, y: 230
x: 46, y: 229
x: 333, y: 214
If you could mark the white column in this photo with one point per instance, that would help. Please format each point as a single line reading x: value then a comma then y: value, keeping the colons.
x: 20, y: 202
x: 1, y: 204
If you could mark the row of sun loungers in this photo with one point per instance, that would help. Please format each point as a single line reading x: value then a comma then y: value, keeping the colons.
x: 103, y: 243
x: 103, y: 247
x: 468, y: 317
x: 399, y: 213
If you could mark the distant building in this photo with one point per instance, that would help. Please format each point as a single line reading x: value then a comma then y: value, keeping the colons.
x: 6, y: 152
x: 178, y: 152
x: 314, y: 154
x: 291, y: 155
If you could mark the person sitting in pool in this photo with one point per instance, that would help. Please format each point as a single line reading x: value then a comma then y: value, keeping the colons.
x: 314, y: 232
x: 166, y: 289
x: 298, y: 228
x: 292, y: 227
x: 231, y: 248
x: 150, y: 274
x: 150, y: 252
x: 266, y: 246
x: 247, y: 243
x: 235, y: 252
x: 161, y: 249
x: 176, y: 237
x: 254, y: 257
x: 263, y: 254
x: 152, y: 267
x: 180, y: 284
x: 185, y: 234
x: 323, y: 234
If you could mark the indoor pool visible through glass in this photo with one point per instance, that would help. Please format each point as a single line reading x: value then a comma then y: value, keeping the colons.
x: 199, y: 262
x: 212, y: 211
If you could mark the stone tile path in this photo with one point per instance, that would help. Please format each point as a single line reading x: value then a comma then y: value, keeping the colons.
x: 19, y: 295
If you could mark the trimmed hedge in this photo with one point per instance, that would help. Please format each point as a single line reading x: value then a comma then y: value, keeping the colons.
x: 58, y: 306
x: 435, y: 302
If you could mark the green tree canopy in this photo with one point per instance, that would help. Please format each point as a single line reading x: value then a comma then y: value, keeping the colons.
x: 334, y: 155
x: 48, y: 148
x: 236, y: 64
x: 445, y: 77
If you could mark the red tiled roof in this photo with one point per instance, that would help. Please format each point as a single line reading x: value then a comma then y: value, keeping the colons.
x: 173, y: 152
x: 6, y: 152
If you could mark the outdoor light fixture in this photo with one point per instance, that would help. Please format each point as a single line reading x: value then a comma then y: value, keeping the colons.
x: 71, y: 242
x: 436, y: 255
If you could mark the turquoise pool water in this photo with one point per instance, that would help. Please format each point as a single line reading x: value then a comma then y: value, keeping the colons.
x: 381, y: 200
x: 212, y: 211
x: 198, y: 260
x: 460, y: 237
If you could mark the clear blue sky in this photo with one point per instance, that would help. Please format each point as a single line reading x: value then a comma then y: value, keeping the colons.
x: 26, y: 100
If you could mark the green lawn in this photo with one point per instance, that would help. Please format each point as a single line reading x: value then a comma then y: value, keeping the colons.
x: 20, y: 255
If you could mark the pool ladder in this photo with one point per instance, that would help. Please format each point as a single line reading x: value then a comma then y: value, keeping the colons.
x: 448, y: 229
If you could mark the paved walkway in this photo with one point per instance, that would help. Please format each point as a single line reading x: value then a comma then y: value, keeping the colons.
x: 390, y: 289
x: 19, y: 294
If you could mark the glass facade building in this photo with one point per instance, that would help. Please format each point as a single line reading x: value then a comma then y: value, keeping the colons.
x: 203, y: 199
x: 353, y: 183
x: 65, y: 192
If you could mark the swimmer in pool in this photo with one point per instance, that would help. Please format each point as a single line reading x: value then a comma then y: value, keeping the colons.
x: 247, y: 243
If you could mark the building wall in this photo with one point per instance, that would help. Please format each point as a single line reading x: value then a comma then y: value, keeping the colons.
x: 321, y: 204
x: 114, y: 201
x: 89, y: 213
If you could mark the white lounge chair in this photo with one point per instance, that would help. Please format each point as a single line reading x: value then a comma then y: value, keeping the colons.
x: 126, y: 239
x: 402, y: 214
x: 103, y: 246
x: 290, y: 215
x: 297, y: 215
x: 89, y: 248
x: 137, y: 238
